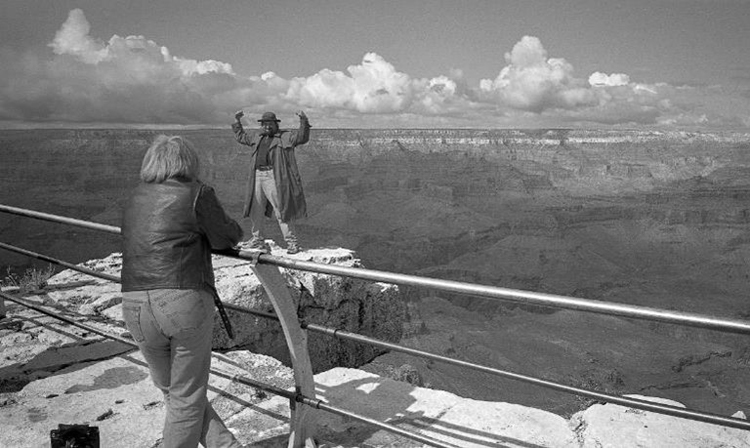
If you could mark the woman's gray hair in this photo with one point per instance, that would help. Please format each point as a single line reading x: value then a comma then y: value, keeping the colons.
x: 170, y: 156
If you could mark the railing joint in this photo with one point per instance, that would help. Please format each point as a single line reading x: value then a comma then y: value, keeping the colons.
x: 253, y: 256
x: 298, y: 397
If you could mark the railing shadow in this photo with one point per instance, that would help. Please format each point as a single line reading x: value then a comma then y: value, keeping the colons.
x: 67, y: 357
x: 436, y: 426
x: 393, y: 402
x: 77, y: 354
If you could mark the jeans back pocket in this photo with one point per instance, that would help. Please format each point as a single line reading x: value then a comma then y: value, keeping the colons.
x: 182, y: 310
x: 131, y: 314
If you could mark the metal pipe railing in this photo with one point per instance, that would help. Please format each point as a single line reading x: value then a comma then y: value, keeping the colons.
x: 624, y: 401
x: 292, y: 396
x: 67, y: 320
x: 519, y: 296
x: 337, y: 333
x: 488, y: 292
x: 320, y: 404
x: 38, y: 256
x: 59, y: 219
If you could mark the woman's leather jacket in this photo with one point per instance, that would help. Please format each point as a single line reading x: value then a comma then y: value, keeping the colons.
x: 168, y: 231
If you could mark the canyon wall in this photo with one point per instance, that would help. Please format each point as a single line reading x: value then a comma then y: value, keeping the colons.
x: 653, y: 218
x: 405, y: 199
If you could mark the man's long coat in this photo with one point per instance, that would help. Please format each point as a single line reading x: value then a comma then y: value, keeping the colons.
x: 285, y: 171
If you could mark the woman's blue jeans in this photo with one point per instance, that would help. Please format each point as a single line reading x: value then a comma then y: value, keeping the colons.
x: 173, y: 328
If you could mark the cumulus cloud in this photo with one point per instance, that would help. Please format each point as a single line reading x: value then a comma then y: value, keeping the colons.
x: 126, y: 79
x: 134, y: 80
x: 73, y: 38
x: 131, y: 53
x: 378, y: 87
x: 374, y: 86
x: 615, y: 79
x: 534, y: 83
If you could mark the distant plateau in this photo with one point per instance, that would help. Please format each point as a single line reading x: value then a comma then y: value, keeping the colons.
x: 658, y: 219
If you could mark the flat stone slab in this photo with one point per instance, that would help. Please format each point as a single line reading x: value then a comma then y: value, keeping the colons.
x: 117, y: 396
x: 611, y: 425
x: 53, y: 373
x: 435, y: 414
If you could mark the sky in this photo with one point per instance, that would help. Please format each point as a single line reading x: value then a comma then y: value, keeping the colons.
x: 657, y: 64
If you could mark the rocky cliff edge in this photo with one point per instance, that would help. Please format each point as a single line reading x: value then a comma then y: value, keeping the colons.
x: 53, y: 373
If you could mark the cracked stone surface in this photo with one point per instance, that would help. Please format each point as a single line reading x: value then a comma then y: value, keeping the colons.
x: 53, y: 373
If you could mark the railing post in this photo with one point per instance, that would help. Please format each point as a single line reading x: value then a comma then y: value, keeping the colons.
x: 302, y: 424
x: 2, y: 308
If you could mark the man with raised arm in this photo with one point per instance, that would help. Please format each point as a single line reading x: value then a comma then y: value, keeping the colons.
x: 274, y: 185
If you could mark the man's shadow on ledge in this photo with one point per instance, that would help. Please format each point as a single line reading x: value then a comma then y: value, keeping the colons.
x: 389, y: 401
x: 384, y: 400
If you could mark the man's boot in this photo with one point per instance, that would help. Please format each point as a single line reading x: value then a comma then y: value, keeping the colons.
x: 293, y: 248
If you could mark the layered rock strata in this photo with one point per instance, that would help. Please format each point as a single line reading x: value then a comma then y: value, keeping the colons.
x: 653, y: 219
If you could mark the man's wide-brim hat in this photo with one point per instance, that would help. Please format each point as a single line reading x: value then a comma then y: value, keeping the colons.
x: 268, y: 116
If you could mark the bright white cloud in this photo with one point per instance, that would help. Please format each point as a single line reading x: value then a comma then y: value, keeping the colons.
x: 131, y: 53
x: 615, y: 79
x: 73, y: 38
x: 438, y: 94
x: 193, y: 67
x: 327, y: 88
x: 135, y: 80
x: 533, y: 82
x: 373, y: 86
x: 126, y: 79
x: 378, y: 87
